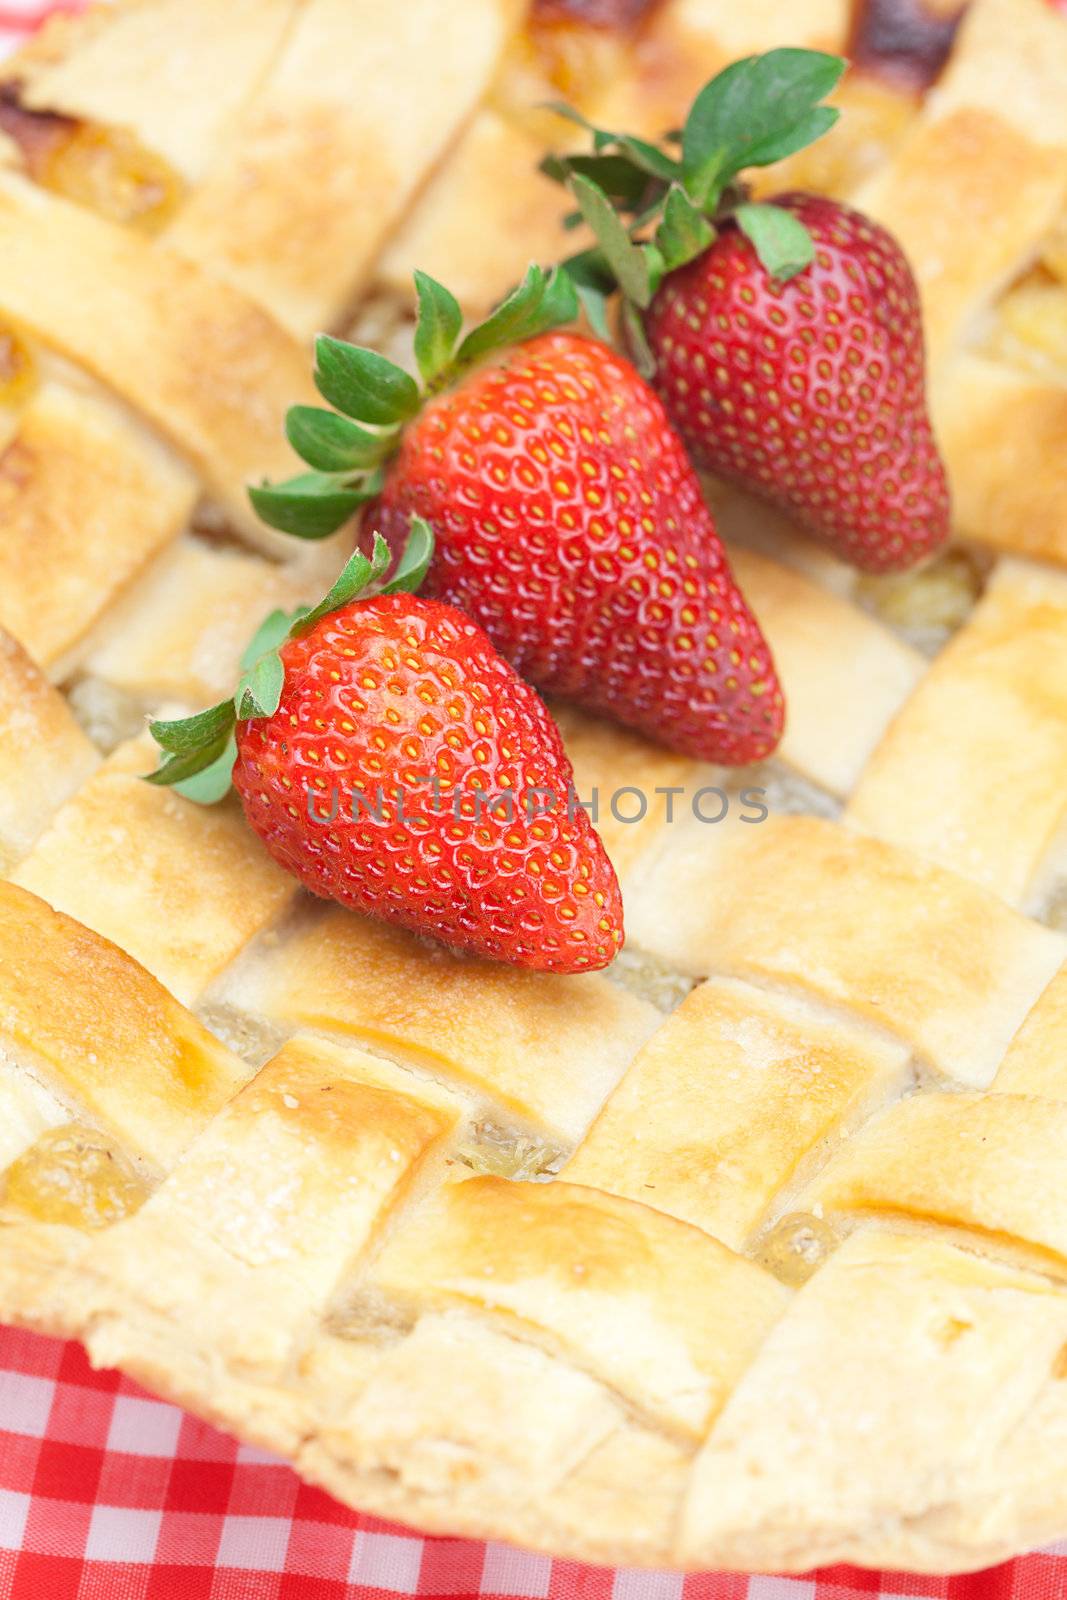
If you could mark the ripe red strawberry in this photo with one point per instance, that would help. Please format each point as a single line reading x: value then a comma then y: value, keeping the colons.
x: 569, y: 521
x: 570, y: 524
x: 391, y: 760
x: 784, y: 337
x: 810, y: 392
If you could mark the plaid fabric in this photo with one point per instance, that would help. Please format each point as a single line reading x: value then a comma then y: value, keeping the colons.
x: 19, y: 17
x: 109, y: 1494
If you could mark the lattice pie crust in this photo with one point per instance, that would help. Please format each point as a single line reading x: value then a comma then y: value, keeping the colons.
x: 753, y: 1253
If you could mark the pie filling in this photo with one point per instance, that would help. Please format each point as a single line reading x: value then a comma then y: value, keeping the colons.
x: 105, y: 169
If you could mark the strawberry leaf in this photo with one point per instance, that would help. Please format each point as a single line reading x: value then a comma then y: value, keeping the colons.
x: 616, y: 175
x: 212, y: 783
x: 272, y: 632
x: 684, y: 232
x: 437, y: 329
x: 363, y: 384
x: 655, y: 263
x: 311, y: 505
x: 502, y: 326
x: 359, y: 574
x: 819, y: 120
x: 259, y: 691
x: 538, y: 304
x: 626, y: 259
x: 649, y: 211
x: 601, y: 136
x: 593, y: 280
x: 589, y: 269
x: 650, y: 158
x: 177, y: 768
x: 637, y: 340
x: 331, y: 443
x: 199, y: 751
x: 754, y: 105
x: 594, y: 303
x: 414, y: 560
x: 191, y: 733
x: 192, y: 746
x: 559, y: 304
x: 780, y: 239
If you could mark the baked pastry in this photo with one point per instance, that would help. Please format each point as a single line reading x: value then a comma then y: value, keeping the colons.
x: 749, y: 1254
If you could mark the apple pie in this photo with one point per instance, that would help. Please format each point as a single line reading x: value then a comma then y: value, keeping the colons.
x: 751, y: 1251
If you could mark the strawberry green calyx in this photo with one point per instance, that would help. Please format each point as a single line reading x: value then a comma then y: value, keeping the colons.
x: 373, y: 398
x: 199, y: 751
x: 653, y: 208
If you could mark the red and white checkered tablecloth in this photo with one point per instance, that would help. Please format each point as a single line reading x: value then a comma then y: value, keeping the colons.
x: 20, y: 17
x: 109, y: 1494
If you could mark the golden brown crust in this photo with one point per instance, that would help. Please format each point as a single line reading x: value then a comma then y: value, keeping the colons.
x: 68, y: 554
x: 44, y: 755
x: 727, y: 1103
x: 482, y: 219
x: 125, y: 67
x: 160, y: 913
x: 319, y: 172
x: 211, y: 370
x: 943, y: 964
x: 994, y: 138
x: 843, y: 674
x: 1004, y: 432
x: 545, y: 1052
x: 977, y: 1343
x: 1036, y: 1062
x: 987, y: 728
x: 119, y: 1045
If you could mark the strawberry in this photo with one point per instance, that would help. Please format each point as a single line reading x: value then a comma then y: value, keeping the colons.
x: 572, y: 527
x: 809, y: 392
x: 785, y: 338
x: 568, y: 519
x: 391, y: 760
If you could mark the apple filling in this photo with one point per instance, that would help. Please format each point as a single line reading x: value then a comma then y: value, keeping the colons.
x: 18, y: 372
x: 507, y: 1154
x: 929, y: 604
x: 1054, y: 250
x: 795, y: 1247
x: 107, y: 170
x: 73, y: 1175
x: 107, y: 714
x: 650, y: 979
x: 1031, y: 328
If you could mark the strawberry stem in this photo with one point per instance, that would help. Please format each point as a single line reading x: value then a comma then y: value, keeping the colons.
x: 199, y: 751
x: 373, y: 397
x: 651, y: 211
